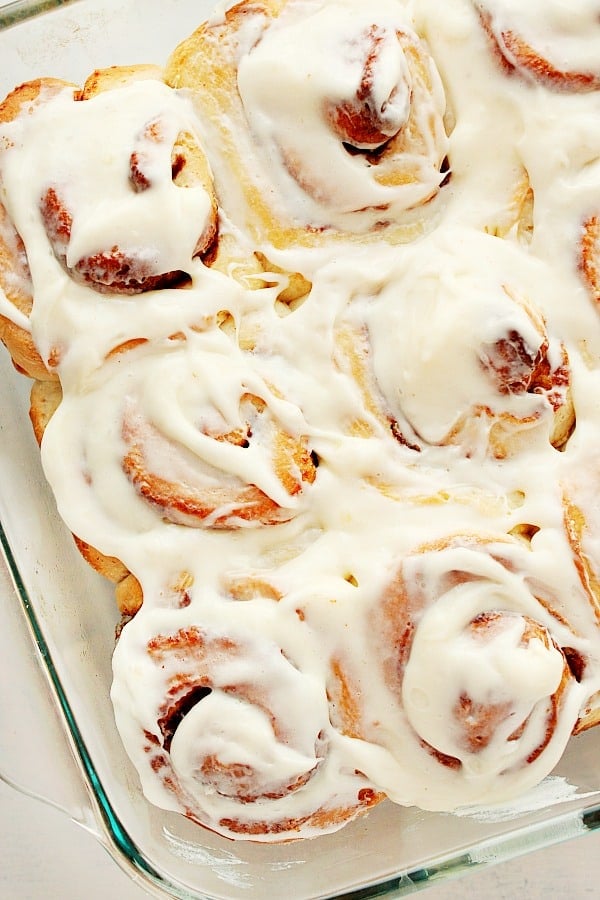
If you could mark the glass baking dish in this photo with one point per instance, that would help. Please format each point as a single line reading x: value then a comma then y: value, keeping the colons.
x: 70, y: 616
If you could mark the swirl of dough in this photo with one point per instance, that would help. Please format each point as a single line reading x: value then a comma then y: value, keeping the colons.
x: 223, y: 727
x: 197, y: 438
x: 340, y: 106
x: 459, y: 307
x: 547, y: 41
x: 209, y: 479
x: 491, y: 716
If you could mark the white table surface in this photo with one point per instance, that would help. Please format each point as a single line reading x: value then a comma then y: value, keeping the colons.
x: 44, y: 856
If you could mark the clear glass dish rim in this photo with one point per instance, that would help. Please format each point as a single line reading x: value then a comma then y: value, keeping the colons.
x: 115, y: 837
x: 16, y: 11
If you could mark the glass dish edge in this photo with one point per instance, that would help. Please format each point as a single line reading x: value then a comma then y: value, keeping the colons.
x: 18, y: 10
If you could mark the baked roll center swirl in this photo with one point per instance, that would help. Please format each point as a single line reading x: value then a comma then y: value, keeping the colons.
x: 487, y: 677
x: 207, y: 476
x: 378, y: 106
x: 196, y: 437
x: 477, y: 695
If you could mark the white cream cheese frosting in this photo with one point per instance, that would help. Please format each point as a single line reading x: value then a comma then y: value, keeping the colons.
x: 419, y: 618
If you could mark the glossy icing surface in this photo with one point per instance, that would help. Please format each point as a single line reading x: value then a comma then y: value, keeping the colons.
x: 365, y: 522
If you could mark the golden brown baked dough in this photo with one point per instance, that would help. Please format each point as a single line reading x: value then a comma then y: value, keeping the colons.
x: 15, y: 282
x: 589, y: 255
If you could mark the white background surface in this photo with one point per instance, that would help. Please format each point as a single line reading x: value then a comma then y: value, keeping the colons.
x: 44, y: 856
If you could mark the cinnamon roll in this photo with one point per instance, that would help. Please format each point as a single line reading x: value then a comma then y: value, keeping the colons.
x: 363, y: 144
x: 475, y: 321
x: 228, y: 731
x: 98, y: 199
x: 546, y: 42
x: 485, y: 676
x: 197, y: 438
x: 164, y: 154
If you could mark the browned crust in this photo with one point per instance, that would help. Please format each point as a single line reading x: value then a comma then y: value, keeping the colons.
x: 344, y: 697
x: 251, y: 587
x: 324, y: 819
x: 589, y: 716
x: 575, y: 527
x: 589, y: 255
x: 184, y: 63
x: 111, y: 77
x: 45, y: 398
x: 128, y: 590
x: 26, y: 96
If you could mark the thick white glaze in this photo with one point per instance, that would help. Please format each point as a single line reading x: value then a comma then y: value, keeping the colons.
x: 388, y: 334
